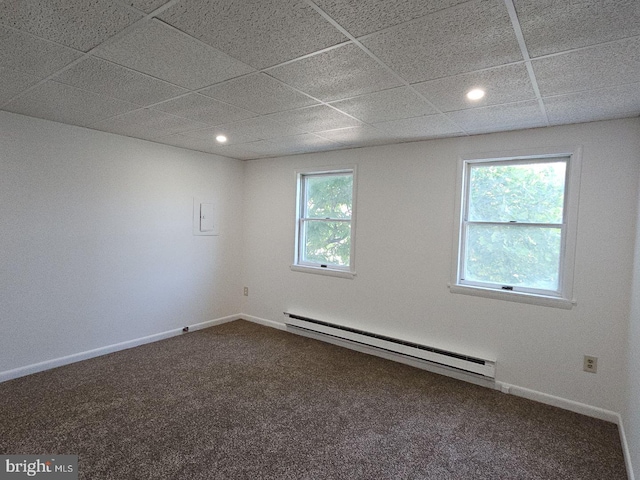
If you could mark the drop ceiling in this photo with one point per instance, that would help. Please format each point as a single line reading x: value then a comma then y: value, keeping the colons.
x: 281, y: 77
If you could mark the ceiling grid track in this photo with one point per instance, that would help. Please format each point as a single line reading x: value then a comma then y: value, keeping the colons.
x: 88, y: 54
x: 362, y: 73
x: 359, y: 44
x: 513, y: 15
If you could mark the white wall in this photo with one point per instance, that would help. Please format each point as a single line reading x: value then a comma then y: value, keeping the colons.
x: 631, y: 414
x: 405, y: 231
x: 96, y: 249
x: 96, y: 244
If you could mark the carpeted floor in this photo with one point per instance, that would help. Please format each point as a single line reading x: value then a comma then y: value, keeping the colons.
x: 243, y: 401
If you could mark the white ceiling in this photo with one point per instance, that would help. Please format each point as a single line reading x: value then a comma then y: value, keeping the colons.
x: 280, y: 77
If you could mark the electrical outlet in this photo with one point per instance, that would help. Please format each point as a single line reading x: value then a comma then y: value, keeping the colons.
x: 246, y: 291
x: 590, y: 364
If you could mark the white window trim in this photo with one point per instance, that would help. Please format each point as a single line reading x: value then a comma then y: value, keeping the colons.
x: 329, y: 270
x: 567, y: 257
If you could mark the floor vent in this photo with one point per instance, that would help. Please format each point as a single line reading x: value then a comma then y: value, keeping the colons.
x: 466, y: 363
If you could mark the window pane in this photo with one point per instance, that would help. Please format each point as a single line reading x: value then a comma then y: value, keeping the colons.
x: 512, y: 255
x: 329, y: 196
x: 532, y: 193
x: 327, y: 242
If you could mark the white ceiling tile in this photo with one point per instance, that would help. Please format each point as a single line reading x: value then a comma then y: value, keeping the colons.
x: 304, y: 143
x: 315, y: 119
x: 367, y: 16
x: 146, y: 123
x: 506, y: 84
x: 471, y: 36
x: 260, y: 127
x: 165, y: 53
x: 239, y: 152
x: 496, y: 118
x: 249, y: 130
x: 392, y: 104
x: 616, y: 102
x: 260, y: 33
x: 259, y: 93
x: 192, y: 143
x: 202, y: 145
x: 442, y: 47
x: 359, y: 136
x: 147, y: 6
x: 551, y: 26
x: 233, y: 138
x: 101, y: 76
x: 261, y: 148
x: 418, y: 128
x: 203, y: 109
x: 79, y: 24
x: 65, y: 104
x: 12, y: 83
x: 339, y: 73
x: 596, y: 67
x: 290, y: 145
x: 25, y: 53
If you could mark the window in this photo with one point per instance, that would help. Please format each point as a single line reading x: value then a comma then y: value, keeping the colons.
x: 325, y: 224
x: 517, y: 228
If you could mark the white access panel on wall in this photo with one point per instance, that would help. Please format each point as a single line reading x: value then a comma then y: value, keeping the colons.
x: 205, y: 218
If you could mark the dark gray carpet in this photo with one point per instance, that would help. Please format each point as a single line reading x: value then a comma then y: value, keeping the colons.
x: 249, y: 402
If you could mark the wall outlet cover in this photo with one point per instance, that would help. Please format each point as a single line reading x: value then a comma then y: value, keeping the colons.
x: 590, y: 364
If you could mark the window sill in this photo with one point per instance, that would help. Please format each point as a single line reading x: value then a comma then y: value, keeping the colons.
x: 323, y: 271
x: 514, y: 296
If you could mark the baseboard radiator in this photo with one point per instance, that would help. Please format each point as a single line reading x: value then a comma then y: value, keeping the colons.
x: 466, y: 363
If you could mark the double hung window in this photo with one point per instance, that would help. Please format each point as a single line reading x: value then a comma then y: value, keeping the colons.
x: 325, y: 222
x: 517, y: 231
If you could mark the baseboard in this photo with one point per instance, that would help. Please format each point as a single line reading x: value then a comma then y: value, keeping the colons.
x: 263, y: 321
x: 559, y: 402
x: 396, y: 357
x: 625, y: 449
x: 588, y: 410
x: 547, y: 399
x: 212, y: 323
x: 77, y: 357
x: 422, y: 364
x: 577, y: 407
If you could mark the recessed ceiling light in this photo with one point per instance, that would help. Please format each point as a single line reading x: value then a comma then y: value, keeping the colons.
x: 221, y: 138
x: 475, y: 94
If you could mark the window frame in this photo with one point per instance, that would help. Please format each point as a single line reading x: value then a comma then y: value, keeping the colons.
x: 563, y: 296
x: 301, y: 265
